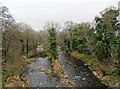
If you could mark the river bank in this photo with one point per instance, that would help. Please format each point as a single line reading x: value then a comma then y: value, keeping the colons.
x: 19, y: 80
x: 77, y: 75
x: 38, y: 72
x: 106, y: 72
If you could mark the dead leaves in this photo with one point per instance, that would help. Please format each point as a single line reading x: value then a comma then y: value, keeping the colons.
x: 16, y: 81
x: 59, y: 72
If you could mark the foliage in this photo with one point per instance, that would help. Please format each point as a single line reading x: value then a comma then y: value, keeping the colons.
x: 16, y: 39
x: 28, y: 39
x: 83, y: 40
x: 76, y: 40
x: 52, y: 41
x: 100, y: 50
x: 106, y: 34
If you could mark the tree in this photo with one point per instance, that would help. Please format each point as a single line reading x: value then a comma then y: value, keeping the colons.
x: 17, y: 40
x: 106, y: 33
x: 52, y: 40
x: 76, y: 39
x: 28, y: 39
x: 6, y: 19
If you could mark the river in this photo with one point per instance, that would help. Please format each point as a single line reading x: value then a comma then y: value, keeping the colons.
x: 76, y: 70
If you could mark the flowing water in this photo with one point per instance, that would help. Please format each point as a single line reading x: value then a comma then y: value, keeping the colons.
x: 76, y: 70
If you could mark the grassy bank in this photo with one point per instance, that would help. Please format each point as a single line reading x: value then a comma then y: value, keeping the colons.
x: 12, y: 72
x: 106, y: 72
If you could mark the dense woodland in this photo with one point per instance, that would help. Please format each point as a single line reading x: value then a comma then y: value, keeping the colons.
x: 97, y: 42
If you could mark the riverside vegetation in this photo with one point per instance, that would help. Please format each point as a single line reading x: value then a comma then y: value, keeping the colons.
x: 96, y: 45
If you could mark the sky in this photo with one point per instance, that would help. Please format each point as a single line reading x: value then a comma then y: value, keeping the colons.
x: 38, y: 12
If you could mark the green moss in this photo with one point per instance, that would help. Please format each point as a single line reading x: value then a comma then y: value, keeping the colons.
x: 93, y: 67
x: 113, y: 72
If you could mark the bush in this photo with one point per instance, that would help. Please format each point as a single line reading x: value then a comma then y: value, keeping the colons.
x: 100, y: 50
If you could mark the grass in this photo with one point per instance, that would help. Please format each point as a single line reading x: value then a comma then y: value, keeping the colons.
x: 57, y: 68
x: 12, y: 69
x: 58, y: 71
x: 97, y: 67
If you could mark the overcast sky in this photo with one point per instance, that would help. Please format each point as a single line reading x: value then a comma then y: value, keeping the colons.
x: 37, y: 12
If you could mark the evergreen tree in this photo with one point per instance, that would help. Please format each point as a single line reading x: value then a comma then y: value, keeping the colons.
x: 106, y: 34
x: 52, y: 41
